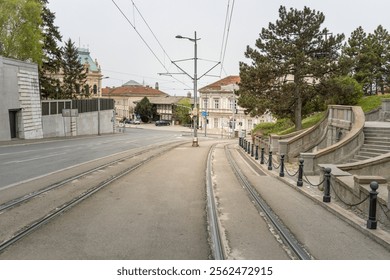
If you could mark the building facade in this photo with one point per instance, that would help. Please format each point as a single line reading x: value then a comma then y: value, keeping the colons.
x: 93, y: 83
x: 20, y: 106
x: 219, y: 112
x: 127, y: 95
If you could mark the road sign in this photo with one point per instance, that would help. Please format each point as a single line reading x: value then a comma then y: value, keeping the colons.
x: 205, y: 114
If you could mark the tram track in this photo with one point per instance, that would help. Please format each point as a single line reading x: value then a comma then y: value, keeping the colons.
x: 86, y: 185
x: 217, y: 236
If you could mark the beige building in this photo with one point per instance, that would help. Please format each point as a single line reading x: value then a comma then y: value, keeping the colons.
x: 93, y: 87
x: 127, y: 95
x: 218, y: 106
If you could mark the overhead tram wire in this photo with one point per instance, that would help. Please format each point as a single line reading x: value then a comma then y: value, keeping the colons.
x: 226, y: 31
x: 139, y: 34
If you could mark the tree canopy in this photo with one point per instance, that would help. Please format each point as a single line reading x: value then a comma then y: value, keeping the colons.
x: 20, y: 30
x: 367, y: 58
x: 145, y: 109
x: 290, y: 57
x: 51, y: 55
x: 182, y: 111
x: 74, y: 72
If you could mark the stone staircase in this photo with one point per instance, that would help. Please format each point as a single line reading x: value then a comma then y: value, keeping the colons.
x: 376, y: 143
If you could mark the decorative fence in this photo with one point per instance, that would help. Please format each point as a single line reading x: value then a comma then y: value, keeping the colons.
x: 326, y: 182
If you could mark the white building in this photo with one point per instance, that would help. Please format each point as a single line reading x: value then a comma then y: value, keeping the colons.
x: 218, y: 103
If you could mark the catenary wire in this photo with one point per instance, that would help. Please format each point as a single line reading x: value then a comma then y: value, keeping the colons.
x: 146, y: 43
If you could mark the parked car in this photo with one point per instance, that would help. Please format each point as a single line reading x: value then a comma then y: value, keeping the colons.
x: 162, y: 122
x: 137, y: 121
x: 132, y: 121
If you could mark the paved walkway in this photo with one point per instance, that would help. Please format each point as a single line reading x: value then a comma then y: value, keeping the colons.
x: 380, y: 235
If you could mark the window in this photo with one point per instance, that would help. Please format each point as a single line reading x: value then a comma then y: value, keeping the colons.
x: 216, y: 103
x: 232, y: 104
x: 216, y: 120
x: 205, y: 103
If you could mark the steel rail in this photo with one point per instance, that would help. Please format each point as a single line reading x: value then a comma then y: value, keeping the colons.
x: 289, y: 239
x: 59, y: 210
x: 214, y: 230
x: 22, y: 199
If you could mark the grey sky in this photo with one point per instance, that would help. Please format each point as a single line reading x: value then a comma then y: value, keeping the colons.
x: 99, y: 25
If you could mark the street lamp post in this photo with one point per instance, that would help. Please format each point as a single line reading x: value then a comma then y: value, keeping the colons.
x: 99, y: 94
x: 195, y: 78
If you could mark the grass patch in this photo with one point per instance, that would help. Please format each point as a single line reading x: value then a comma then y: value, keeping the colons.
x: 369, y: 103
x: 285, y: 126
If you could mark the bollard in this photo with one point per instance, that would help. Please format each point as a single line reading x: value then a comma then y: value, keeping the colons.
x: 300, y: 173
x: 326, y: 197
x: 253, y: 150
x: 262, y: 156
x: 281, y: 173
x: 249, y: 147
x: 257, y: 153
x: 270, y: 161
x: 245, y: 145
x: 371, y: 222
x: 239, y: 141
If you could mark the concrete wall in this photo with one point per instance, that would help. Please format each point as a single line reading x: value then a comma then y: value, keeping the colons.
x: 19, y: 92
x: 346, y: 147
x: 84, y: 124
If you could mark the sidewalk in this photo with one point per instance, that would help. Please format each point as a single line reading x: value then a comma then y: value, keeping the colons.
x: 380, y: 235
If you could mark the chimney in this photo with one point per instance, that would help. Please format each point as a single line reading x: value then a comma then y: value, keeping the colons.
x: 156, y: 86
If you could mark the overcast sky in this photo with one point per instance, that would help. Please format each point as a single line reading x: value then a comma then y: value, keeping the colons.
x: 123, y: 55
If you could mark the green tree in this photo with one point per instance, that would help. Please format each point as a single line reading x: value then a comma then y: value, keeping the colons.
x: 51, y: 62
x: 340, y: 90
x: 20, y: 30
x: 74, y: 72
x: 145, y: 109
x: 291, y: 56
x: 182, y: 111
x: 367, y: 58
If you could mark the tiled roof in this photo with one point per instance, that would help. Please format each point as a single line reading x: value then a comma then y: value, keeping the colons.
x: 133, y: 91
x: 218, y: 85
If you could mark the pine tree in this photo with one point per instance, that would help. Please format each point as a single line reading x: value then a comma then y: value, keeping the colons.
x: 74, y: 72
x: 291, y: 56
x: 51, y: 63
x: 367, y: 57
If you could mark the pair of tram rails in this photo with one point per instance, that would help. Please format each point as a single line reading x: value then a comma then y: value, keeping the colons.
x: 217, y: 246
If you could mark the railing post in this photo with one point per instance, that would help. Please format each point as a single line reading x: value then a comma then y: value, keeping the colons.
x: 257, y: 153
x: 253, y: 150
x: 281, y: 173
x: 300, y: 173
x: 371, y: 222
x: 326, y: 197
x: 270, y: 160
x: 262, y: 156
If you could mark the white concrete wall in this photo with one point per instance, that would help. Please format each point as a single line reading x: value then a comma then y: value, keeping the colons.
x: 84, y: 124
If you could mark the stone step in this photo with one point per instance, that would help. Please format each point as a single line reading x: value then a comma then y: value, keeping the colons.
x: 377, y: 147
x: 376, y: 134
x: 359, y: 158
x: 376, y: 140
x: 369, y: 154
x: 373, y: 150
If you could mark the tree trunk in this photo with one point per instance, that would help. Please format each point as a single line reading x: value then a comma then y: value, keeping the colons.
x: 298, y: 104
x: 298, y: 111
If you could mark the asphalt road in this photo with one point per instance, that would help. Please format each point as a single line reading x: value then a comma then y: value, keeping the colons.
x: 157, y: 212
x: 20, y: 162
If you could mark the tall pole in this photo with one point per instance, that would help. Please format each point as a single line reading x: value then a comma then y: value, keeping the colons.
x: 195, y: 141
